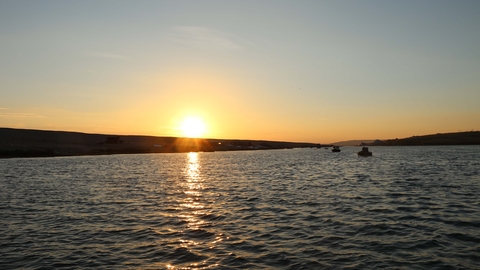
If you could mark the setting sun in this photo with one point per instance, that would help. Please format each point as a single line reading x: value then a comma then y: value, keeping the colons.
x: 193, y: 127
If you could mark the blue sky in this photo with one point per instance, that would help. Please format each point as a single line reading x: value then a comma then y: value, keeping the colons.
x: 316, y: 71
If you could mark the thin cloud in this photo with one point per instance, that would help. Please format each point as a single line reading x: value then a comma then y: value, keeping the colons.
x: 20, y: 115
x: 99, y: 54
x: 205, y: 37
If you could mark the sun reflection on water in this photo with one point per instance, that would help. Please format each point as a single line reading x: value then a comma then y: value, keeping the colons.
x: 198, y: 236
x: 194, y: 179
x: 193, y: 189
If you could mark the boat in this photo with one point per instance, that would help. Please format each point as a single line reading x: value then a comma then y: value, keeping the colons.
x: 364, y: 152
x: 336, y: 149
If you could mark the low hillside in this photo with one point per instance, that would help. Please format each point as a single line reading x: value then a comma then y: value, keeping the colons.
x: 457, y: 138
x: 42, y: 143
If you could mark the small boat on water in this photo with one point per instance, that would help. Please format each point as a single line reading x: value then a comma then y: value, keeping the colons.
x: 364, y: 152
x: 336, y: 149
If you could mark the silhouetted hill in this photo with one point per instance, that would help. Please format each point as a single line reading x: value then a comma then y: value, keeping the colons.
x: 38, y: 143
x: 457, y: 138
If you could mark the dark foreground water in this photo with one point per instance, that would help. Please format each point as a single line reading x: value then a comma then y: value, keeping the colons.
x: 403, y: 208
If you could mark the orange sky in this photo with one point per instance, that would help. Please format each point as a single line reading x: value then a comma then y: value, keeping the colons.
x: 288, y: 71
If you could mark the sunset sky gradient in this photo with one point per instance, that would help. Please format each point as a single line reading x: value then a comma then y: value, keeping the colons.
x: 311, y: 71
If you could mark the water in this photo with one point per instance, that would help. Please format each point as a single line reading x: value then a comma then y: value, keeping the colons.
x: 403, y: 208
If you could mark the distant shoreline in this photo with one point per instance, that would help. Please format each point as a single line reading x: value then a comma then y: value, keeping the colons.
x: 26, y: 143
x: 454, y: 138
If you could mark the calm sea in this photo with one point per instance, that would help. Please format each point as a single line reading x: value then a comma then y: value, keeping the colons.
x: 403, y: 208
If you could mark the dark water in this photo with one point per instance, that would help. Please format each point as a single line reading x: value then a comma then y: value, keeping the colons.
x: 403, y: 208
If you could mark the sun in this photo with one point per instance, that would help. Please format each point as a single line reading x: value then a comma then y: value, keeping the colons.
x: 193, y: 127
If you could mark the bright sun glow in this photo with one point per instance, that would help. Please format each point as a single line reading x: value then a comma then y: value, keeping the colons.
x: 193, y: 127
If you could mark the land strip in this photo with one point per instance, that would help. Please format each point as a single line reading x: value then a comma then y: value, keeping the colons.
x: 43, y: 143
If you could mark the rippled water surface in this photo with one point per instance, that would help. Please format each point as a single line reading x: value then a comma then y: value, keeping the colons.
x: 403, y: 208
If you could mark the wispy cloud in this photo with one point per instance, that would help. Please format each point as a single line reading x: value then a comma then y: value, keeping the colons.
x: 100, y: 54
x: 201, y: 36
x: 20, y: 115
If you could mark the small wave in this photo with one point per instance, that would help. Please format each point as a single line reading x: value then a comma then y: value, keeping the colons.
x: 211, y: 217
x: 426, y: 244
x: 459, y: 223
x: 198, y: 233
x: 183, y: 255
x: 463, y: 237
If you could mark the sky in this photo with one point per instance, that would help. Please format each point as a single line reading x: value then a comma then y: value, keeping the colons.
x: 304, y: 71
